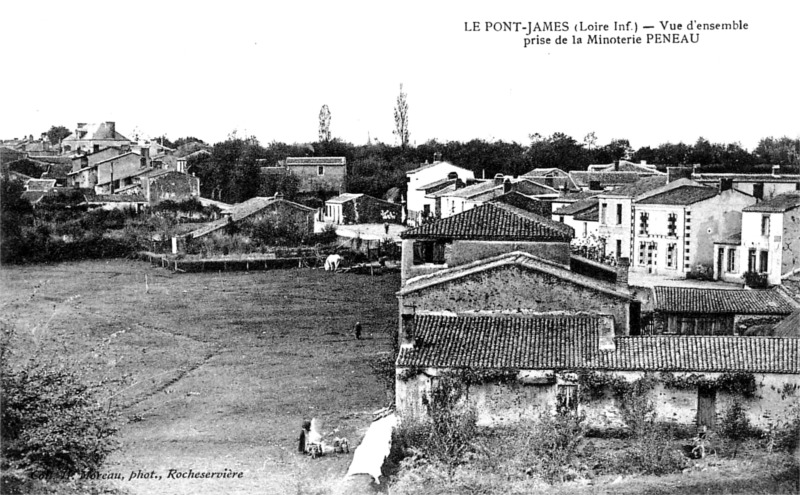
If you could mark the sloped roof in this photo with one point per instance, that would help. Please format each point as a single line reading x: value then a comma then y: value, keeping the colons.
x: 475, y: 189
x: 493, y: 221
x: 343, y: 198
x: 789, y: 326
x: 717, y: 301
x: 714, y: 178
x: 577, y: 207
x: 641, y: 186
x: 445, y: 191
x: 243, y: 210
x: 584, y: 179
x: 101, y: 131
x: 117, y: 198
x: 685, y: 195
x: 701, y: 354
x: 566, y: 342
x: 778, y: 204
x: 573, y: 196
x: 316, y: 160
x: 532, y: 187
x: 625, y: 166
x: 541, y: 172
x: 520, y: 259
x: 502, y: 341
x: 40, y: 184
x: 591, y: 214
x: 434, y: 164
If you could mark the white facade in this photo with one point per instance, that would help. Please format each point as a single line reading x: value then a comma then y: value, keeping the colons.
x: 427, y: 175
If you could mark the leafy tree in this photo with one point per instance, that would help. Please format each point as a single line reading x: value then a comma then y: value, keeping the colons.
x: 26, y: 167
x: 15, y: 213
x: 57, y: 133
x: 324, y: 124
x: 617, y: 149
x: 558, y: 150
x: 780, y: 151
x: 401, y: 119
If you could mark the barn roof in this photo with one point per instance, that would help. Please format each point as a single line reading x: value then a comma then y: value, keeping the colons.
x: 689, y: 300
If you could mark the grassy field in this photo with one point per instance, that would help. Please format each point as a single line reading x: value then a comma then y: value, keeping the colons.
x: 216, y: 370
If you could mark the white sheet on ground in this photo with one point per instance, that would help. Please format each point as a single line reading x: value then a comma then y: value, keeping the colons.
x: 369, y: 456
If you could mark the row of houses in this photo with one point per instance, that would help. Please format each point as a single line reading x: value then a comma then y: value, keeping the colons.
x: 496, y: 291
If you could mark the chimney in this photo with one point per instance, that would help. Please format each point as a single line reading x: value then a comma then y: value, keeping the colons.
x: 643, y: 162
x: 407, y: 336
x: 695, y: 168
x: 606, y: 328
x: 725, y: 184
x: 459, y: 184
x: 452, y: 175
x: 622, y: 272
x: 506, y: 186
x: 112, y: 129
x: 498, y: 179
x: 278, y: 195
x: 776, y: 170
x: 437, y: 157
x: 675, y: 173
x: 616, y: 165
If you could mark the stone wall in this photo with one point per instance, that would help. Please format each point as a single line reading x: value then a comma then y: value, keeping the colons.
x: 511, y: 288
x: 463, y: 252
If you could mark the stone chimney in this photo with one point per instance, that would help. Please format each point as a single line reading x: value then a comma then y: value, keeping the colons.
x: 675, y: 173
x: 623, y: 264
x: 278, y: 195
x: 616, y: 165
x: 112, y: 129
x: 606, y: 328
x: 507, y: 187
x: 459, y: 184
x: 407, y: 335
x: 437, y: 157
x: 498, y: 179
x: 776, y: 170
x: 452, y: 175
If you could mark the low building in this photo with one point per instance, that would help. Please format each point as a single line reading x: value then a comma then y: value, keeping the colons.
x: 482, y: 232
x: 348, y: 208
x: 427, y: 174
x: 692, y: 311
x: 524, y: 365
x: 163, y: 185
x: 318, y: 173
x: 259, y: 209
x: 553, y: 177
x: 582, y: 216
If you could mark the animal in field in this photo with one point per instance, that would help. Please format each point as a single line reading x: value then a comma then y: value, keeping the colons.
x: 332, y: 262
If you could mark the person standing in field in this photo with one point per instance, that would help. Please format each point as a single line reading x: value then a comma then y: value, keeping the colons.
x: 357, y: 330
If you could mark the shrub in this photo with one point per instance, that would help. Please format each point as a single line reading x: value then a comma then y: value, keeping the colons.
x: 735, y: 425
x: 555, y: 445
x: 53, y: 423
x: 453, y: 424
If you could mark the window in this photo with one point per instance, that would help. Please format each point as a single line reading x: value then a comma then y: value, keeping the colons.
x: 765, y: 225
x: 642, y: 247
x: 763, y: 262
x: 567, y: 398
x: 603, y: 209
x: 429, y: 252
x: 731, y: 260
x: 619, y: 248
x: 321, y: 170
x: 643, y: 219
x: 751, y: 260
x: 619, y: 214
x: 585, y: 229
x: 672, y: 224
x: 652, y: 252
x: 758, y: 190
x: 671, y: 259
x: 426, y: 211
x: 561, y: 219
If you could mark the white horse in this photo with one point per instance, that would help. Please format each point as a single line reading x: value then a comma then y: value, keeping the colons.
x: 332, y: 262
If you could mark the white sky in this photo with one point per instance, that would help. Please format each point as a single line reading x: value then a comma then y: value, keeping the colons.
x: 266, y: 68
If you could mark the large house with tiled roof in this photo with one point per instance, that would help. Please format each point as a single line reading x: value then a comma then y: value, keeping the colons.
x: 528, y: 364
x: 694, y: 311
x: 762, y: 186
x: 674, y: 229
x: 767, y: 245
x: 93, y: 137
x: 482, y: 232
x: 420, y: 182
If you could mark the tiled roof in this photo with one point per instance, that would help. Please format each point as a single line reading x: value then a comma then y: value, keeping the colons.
x: 343, y: 198
x: 625, y: 166
x: 521, y: 342
x: 40, y: 184
x: 532, y: 187
x: 789, y: 326
x: 315, y: 160
x: 641, y: 186
x: 572, y: 197
x: 96, y: 132
x: 701, y: 354
x: 714, y: 178
x: 583, y: 179
x: 541, y: 172
x: 715, y: 301
x: 475, y: 189
x: 577, y: 207
x: 434, y: 184
x: 685, y: 195
x: 493, y: 222
x: 589, y: 215
x: 520, y: 259
x: 445, y: 191
x: 778, y: 204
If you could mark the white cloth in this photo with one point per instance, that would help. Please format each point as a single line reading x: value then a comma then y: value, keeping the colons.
x: 372, y: 451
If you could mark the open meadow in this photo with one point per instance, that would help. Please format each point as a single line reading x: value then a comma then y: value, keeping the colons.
x: 215, y: 371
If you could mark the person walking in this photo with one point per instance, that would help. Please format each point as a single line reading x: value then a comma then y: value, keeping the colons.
x: 386, y: 227
x: 357, y: 330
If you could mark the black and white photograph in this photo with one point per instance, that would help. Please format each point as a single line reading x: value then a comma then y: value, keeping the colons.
x: 334, y: 248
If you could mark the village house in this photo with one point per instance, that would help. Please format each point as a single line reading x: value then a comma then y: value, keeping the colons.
x: 553, y: 177
x: 349, y: 208
x: 762, y: 186
x: 643, y: 168
x: 168, y: 185
x: 525, y: 202
x: 419, y: 182
x: 694, y: 311
x: 582, y: 216
x: 523, y: 365
x: 482, y: 232
x: 318, y: 173
x: 466, y: 198
x: 674, y: 230
x: 768, y: 244
x: 94, y: 137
